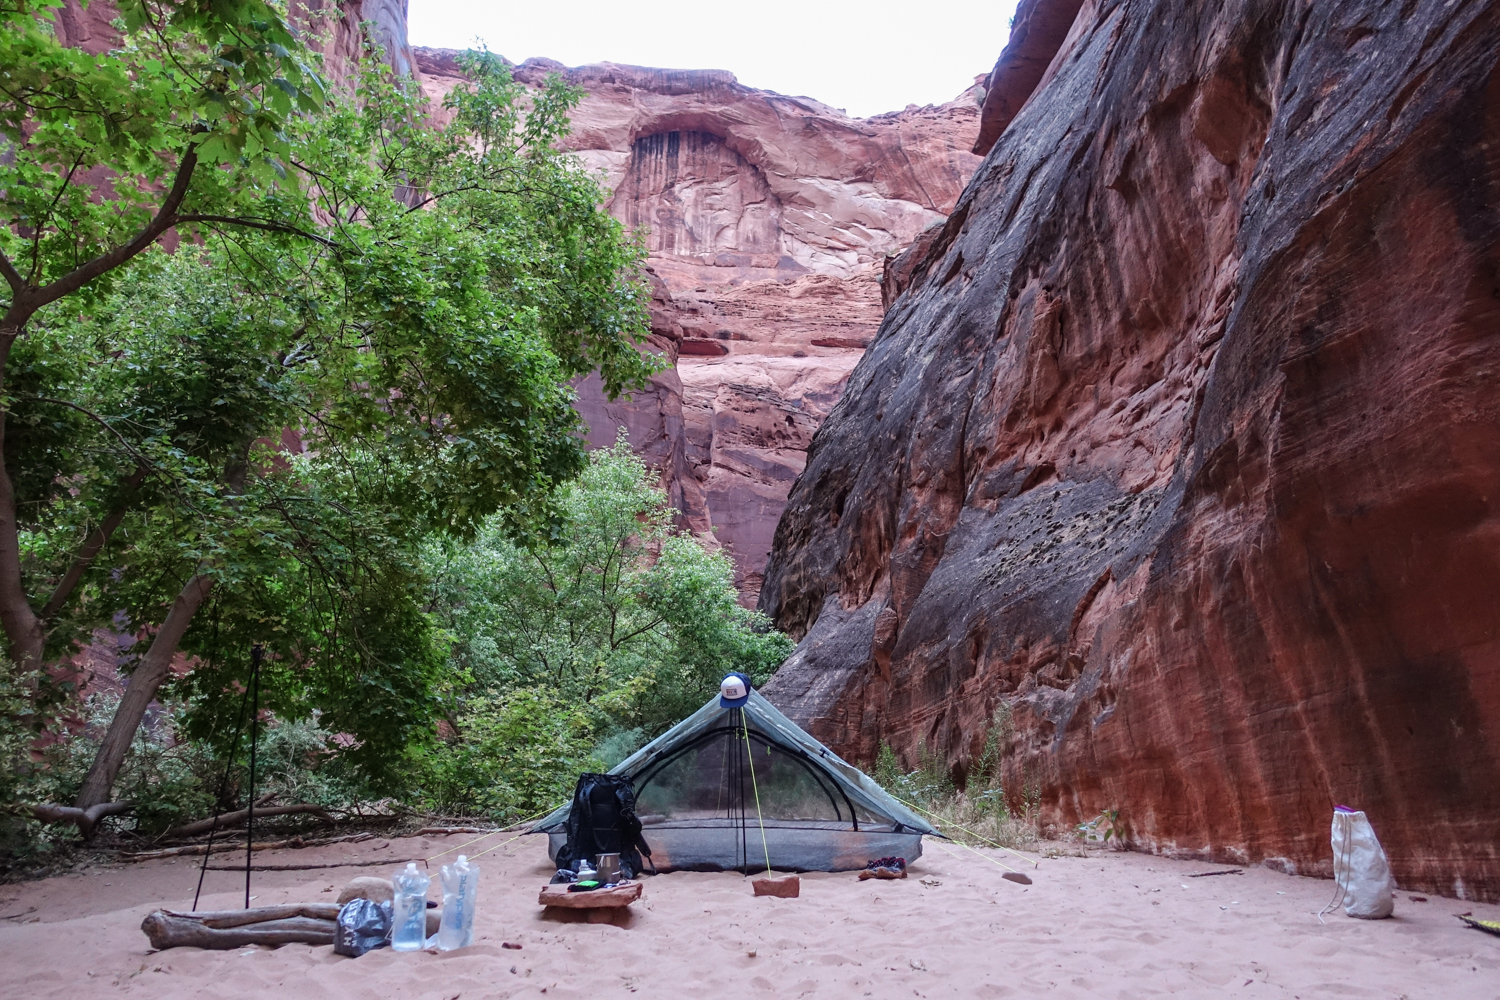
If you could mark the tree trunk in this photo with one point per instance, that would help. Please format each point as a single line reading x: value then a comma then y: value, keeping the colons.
x: 92, y: 547
x: 145, y: 681
x: 23, y: 629
x: 148, y: 678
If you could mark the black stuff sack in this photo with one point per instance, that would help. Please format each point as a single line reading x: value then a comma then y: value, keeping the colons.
x: 363, y: 926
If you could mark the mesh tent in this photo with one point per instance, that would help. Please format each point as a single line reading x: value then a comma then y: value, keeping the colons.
x: 696, y: 790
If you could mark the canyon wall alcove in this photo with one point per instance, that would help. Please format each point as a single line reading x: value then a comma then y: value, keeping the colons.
x: 768, y: 220
x: 693, y: 196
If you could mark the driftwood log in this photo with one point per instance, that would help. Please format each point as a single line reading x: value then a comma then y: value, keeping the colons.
x: 239, y: 816
x: 291, y: 923
x: 87, y: 819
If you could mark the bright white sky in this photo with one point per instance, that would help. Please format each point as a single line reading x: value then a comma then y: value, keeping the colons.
x: 868, y: 57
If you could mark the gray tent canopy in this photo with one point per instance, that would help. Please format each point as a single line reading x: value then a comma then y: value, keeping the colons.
x: 696, y: 787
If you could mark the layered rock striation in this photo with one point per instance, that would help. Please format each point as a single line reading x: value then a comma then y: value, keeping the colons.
x: 768, y: 220
x: 1182, y: 443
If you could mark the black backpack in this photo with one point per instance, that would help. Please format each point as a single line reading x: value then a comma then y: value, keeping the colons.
x: 603, y: 821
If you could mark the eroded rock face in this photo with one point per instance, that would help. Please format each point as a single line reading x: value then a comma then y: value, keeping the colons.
x: 1184, y: 445
x: 749, y: 419
x: 768, y: 220
x: 333, y: 24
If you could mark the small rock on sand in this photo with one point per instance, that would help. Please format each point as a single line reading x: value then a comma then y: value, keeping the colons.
x: 787, y: 887
x: 376, y: 890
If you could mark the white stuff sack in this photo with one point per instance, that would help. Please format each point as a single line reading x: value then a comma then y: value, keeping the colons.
x: 1360, y: 867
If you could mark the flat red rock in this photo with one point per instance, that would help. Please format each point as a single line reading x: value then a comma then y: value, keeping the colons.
x: 787, y: 887
x: 621, y: 895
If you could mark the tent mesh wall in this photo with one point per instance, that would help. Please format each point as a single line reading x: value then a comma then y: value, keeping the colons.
x: 696, y: 796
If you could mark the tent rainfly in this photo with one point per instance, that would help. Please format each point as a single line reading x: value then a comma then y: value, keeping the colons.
x: 697, y: 784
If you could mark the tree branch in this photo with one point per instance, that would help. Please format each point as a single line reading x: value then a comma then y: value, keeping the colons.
x: 12, y: 276
x: 165, y: 218
x: 270, y: 227
x: 129, y: 448
x: 92, y: 547
x: 36, y: 234
x: 644, y: 628
x: 238, y: 816
x: 86, y: 819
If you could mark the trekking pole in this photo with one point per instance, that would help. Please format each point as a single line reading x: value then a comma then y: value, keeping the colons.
x: 208, y: 850
x: 759, y: 817
x: 744, y: 824
x: 255, y: 654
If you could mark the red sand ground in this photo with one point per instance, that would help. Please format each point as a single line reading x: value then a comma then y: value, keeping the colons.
x: 1110, y: 925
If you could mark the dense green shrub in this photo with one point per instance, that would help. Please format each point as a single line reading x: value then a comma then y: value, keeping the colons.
x: 620, y: 624
x: 170, y: 778
x: 514, y: 756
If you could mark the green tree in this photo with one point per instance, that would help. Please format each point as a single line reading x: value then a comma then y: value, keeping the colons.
x: 620, y: 615
x: 515, y: 755
x: 366, y: 338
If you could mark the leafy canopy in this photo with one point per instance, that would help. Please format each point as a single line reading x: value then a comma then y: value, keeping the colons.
x: 195, y: 102
x: 366, y: 338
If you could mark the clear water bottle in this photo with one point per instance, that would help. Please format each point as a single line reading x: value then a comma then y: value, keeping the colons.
x: 460, y: 887
x: 409, y: 909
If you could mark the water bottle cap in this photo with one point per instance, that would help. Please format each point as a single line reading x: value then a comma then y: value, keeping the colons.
x: 463, y: 859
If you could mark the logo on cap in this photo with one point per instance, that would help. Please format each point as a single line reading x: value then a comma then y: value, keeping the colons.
x: 734, y: 691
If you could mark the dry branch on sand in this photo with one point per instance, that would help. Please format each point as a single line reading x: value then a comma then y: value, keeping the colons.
x: 228, y: 846
x: 306, y: 923
x: 315, y: 866
x: 240, y: 815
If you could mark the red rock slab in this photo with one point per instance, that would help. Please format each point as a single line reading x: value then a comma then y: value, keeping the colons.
x: 787, y: 886
x: 621, y: 895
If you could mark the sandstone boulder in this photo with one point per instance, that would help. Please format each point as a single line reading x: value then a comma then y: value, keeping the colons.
x: 376, y: 890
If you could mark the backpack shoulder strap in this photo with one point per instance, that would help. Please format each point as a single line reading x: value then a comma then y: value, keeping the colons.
x: 631, y: 823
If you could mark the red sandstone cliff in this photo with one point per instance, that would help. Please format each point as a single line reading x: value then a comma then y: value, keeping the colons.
x: 335, y: 24
x: 768, y: 220
x: 1184, y: 442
